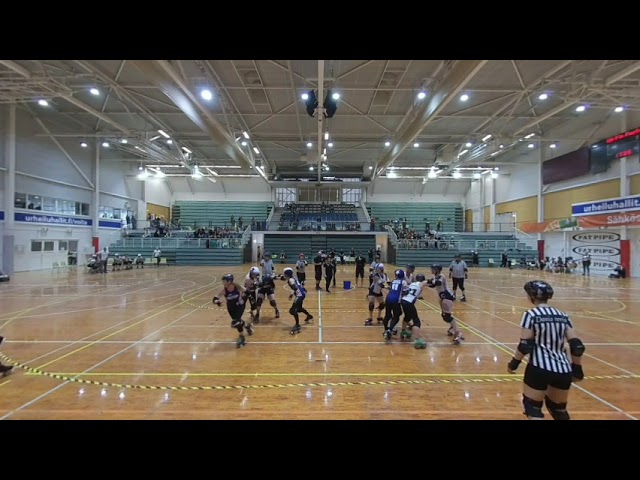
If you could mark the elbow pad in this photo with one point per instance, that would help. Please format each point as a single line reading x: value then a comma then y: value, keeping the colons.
x: 576, y: 347
x: 526, y: 346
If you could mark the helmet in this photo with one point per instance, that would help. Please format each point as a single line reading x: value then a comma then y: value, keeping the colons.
x: 227, y: 277
x: 301, y: 255
x: 436, y: 267
x: 380, y: 267
x: 267, y: 254
x: 255, y: 271
x: 399, y: 274
x: 410, y: 267
x: 420, y: 277
x: 288, y: 272
x: 539, y: 290
x: 139, y: 254
x: 267, y: 278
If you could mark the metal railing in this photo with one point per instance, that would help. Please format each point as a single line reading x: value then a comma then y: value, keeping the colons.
x: 169, y: 242
x: 246, y: 236
x: 392, y: 236
x: 468, y: 245
x: 331, y: 226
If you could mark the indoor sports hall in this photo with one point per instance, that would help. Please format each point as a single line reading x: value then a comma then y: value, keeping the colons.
x: 133, y: 191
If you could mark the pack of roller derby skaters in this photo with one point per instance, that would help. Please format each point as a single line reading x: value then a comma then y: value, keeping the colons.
x: 395, y: 296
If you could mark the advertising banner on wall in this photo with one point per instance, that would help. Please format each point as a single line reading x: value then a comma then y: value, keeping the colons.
x: 609, y: 205
x: 603, y: 247
x: 628, y: 219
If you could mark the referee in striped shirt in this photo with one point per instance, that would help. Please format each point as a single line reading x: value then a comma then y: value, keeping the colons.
x: 458, y: 271
x: 550, y: 371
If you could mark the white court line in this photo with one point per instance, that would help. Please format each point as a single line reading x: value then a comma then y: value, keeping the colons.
x: 582, y: 389
x: 92, y: 368
x: 319, y: 317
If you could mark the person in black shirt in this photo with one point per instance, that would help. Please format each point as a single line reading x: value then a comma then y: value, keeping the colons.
x: 267, y: 288
x: 550, y: 371
x: 360, y: 263
x: 234, y: 295
x: 317, y: 265
x: 329, y: 270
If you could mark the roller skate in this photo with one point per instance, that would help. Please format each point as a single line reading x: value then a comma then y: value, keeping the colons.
x: 419, y: 344
x: 277, y: 313
x: 463, y: 298
x: 5, y: 370
x: 457, y: 338
x: 368, y: 322
x: 380, y: 320
x: 450, y: 332
x: 256, y: 318
x: 387, y: 335
x: 309, y: 319
x: 295, y: 329
x: 240, y: 342
x: 249, y: 329
x: 405, y: 335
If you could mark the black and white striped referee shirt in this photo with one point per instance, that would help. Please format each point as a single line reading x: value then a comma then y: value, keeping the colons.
x: 549, y: 327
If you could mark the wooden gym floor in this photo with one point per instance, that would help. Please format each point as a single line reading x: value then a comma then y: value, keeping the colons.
x: 149, y: 344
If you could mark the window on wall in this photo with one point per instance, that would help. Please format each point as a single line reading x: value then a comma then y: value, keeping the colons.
x: 50, y: 204
x: 352, y: 195
x: 285, y: 195
x: 20, y: 201
x: 36, y: 246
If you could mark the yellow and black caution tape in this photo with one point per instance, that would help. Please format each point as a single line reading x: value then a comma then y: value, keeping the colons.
x: 430, y: 381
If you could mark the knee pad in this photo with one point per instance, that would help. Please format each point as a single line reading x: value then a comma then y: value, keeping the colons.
x: 237, y: 323
x: 532, y: 408
x: 272, y: 303
x: 557, y: 410
x: 371, y: 305
x: 382, y: 306
x: 259, y: 301
x: 293, y: 310
x: 447, y: 317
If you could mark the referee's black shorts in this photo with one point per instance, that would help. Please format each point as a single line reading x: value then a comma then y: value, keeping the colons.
x: 539, y: 379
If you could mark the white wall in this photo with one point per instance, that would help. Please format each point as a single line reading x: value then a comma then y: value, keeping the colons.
x: 235, y: 189
x: 520, y: 182
x: 156, y: 191
x: 556, y: 244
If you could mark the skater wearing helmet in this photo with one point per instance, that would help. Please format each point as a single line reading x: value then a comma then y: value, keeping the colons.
x: 445, y: 298
x: 298, y: 294
x: 393, y: 304
x: 234, y: 295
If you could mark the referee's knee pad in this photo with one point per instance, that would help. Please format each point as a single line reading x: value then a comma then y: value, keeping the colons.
x: 557, y: 410
x: 447, y: 317
x: 371, y: 305
x: 272, y: 303
x: 532, y: 408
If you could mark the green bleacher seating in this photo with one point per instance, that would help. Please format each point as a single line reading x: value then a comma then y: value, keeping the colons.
x: 452, y: 214
x: 204, y: 213
x: 293, y: 245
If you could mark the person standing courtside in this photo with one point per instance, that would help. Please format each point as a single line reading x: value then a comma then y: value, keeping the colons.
x: 317, y: 265
x: 360, y: 263
x: 300, y: 269
x: 458, y: 272
x: 328, y: 271
x: 550, y: 372
x: 586, y: 264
